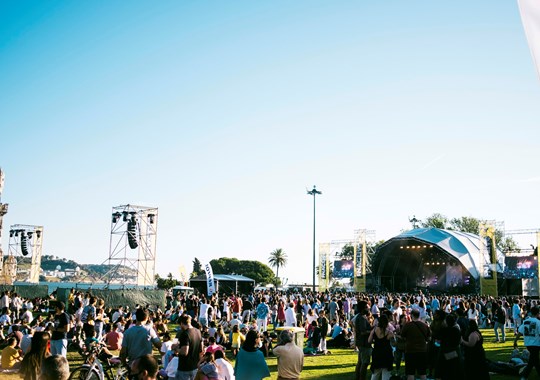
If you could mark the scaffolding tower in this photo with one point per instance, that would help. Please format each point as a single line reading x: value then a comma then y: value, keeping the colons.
x: 132, y: 250
x: 25, y: 242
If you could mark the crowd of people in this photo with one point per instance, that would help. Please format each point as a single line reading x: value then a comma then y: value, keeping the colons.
x: 436, y: 336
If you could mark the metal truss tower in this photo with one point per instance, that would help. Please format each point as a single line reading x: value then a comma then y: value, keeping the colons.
x: 132, y: 252
x: 25, y: 241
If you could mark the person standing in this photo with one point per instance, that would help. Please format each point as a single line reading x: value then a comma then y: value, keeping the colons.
x: 530, y: 329
x: 190, y: 347
x: 290, y: 358
x: 383, y: 357
x: 138, y: 339
x: 362, y: 329
x: 262, y: 315
x: 416, y: 334
x: 61, y: 328
x: 500, y: 320
x: 475, y: 367
x: 290, y: 317
x: 516, y: 315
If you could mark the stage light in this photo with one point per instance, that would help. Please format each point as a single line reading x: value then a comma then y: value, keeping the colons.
x: 38, y: 233
x: 401, y: 247
x: 30, y: 234
x: 151, y: 218
x: 116, y: 216
x: 430, y: 246
x: 16, y: 233
x: 408, y: 247
x: 11, y: 233
x: 425, y: 246
x: 133, y: 218
x: 125, y: 216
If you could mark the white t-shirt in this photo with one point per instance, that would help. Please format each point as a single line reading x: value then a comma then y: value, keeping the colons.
x: 530, y: 329
x: 203, y: 310
x: 225, y: 369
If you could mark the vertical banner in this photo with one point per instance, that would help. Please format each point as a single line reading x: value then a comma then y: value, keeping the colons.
x: 324, y: 267
x: 488, y: 259
x: 360, y: 260
x: 530, y: 17
x: 210, y: 284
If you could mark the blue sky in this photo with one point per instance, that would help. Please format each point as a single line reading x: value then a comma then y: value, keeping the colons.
x: 221, y: 114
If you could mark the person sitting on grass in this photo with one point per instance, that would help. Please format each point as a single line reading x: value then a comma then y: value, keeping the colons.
x: 11, y: 355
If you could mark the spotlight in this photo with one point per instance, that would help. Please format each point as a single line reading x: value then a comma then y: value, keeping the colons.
x: 125, y: 216
x: 16, y: 233
x: 151, y: 218
x: 38, y: 233
x: 401, y: 247
x: 11, y: 233
x: 133, y: 218
x: 116, y: 216
x: 30, y: 234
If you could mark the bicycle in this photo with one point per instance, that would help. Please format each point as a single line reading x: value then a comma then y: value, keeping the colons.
x: 93, y: 369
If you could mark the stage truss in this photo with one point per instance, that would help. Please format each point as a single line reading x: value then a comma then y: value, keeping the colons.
x: 25, y: 242
x: 531, y: 286
x: 329, y: 253
x: 132, y: 251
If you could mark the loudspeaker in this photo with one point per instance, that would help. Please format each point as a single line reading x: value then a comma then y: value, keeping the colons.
x: 132, y: 233
x: 24, y: 245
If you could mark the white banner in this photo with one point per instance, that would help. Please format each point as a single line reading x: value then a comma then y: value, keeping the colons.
x: 210, y: 284
x: 530, y: 16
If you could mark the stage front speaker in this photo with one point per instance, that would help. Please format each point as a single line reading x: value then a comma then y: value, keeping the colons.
x: 24, y: 245
x: 132, y: 234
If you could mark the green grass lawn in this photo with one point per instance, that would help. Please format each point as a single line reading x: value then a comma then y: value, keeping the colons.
x: 340, y: 364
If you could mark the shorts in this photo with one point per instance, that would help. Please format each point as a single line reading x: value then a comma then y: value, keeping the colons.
x: 416, y: 363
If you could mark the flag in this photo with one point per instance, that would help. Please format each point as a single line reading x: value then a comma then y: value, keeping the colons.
x: 210, y: 284
x: 530, y: 16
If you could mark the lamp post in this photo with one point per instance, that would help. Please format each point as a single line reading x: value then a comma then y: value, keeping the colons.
x: 314, y: 192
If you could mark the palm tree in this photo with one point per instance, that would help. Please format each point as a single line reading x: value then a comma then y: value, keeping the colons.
x: 277, y: 259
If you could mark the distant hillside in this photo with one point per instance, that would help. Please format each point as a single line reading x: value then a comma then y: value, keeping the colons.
x: 51, y: 263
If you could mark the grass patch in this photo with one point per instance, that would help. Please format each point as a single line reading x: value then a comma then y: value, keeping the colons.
x: 341, y: 363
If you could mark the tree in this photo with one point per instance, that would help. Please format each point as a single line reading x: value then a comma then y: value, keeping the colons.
x: 166, y: 283
x: 437, y: 221
x: 347, y: 252
x: 277, y: 259
x: 197, y: 268
x: 261, y: 273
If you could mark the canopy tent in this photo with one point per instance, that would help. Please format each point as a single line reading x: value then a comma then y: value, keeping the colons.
x: 225, y: 283
x: 429, y: 255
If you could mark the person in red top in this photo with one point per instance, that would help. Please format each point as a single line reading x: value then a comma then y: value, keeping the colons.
x: 113, y: 339
x: 213, y: 346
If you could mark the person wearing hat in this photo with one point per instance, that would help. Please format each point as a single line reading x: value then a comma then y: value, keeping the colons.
x: 60, y: 329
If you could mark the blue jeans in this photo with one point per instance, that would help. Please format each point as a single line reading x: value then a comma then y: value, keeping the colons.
x: 185, y: 375
x: 498, y: 326
x: 59, y: 347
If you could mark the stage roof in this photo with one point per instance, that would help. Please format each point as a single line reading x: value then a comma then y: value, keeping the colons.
x: 462, y: 245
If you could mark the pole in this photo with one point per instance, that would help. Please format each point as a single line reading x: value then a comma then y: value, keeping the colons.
x: 314, y: 192
x: 313, y: 241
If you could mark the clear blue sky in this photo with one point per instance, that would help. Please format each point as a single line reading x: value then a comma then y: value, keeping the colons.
x: 223, y: 113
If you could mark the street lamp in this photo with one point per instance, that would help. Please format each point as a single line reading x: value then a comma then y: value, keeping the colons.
x: 314, y: 192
